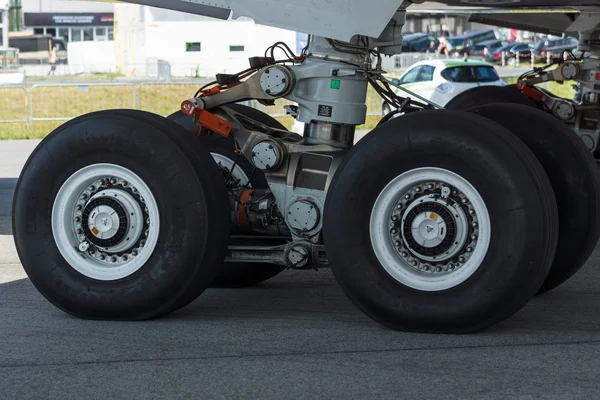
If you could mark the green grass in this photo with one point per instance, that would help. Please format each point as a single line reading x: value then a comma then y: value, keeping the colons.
x: 65, y: 102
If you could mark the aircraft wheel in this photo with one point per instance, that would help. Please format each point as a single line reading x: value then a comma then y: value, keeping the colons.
x: 574, y: 176
x: 115, y: 218
x: 431, y: 226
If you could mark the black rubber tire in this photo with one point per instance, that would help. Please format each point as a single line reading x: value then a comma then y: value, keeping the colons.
x: 489, y: 95
x: 189, y: 142
x: 574, y: 176
x: 510, y: 180
x: 194, y: 234
x: 237, y: 275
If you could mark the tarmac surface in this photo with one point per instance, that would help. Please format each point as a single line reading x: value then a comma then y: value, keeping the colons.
x: 294, y: 337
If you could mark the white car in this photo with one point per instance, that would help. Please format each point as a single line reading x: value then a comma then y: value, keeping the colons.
x: 439, y: 81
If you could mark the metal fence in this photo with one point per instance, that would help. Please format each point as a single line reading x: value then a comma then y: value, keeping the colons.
x: 62, y: 102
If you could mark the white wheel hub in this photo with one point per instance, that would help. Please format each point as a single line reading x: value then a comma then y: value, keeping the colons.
x: 430, y: 229
x: 105, y: 222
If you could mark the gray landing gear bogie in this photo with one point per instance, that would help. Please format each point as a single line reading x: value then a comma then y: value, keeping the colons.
x: 102, y: 218
x: 449, y: 230
x: 239, y: 175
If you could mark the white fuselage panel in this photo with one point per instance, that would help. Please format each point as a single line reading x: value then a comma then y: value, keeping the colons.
x: 336, y: 19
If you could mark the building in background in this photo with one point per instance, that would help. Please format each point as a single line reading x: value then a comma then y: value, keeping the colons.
x: 192, y: 45
x: 71, y: 21
x: 3, y: 24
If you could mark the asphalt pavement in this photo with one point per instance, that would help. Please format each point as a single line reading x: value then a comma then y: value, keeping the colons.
x: 294, y: 337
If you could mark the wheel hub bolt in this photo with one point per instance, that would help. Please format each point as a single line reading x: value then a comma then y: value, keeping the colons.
x: 113, y: 259
x: 113, y: 181
x: 430, y: 186
x: 125, y: 184
x: 84, y: 246
x: 474, y: 237
x: 394, y: 218
x: 79, y: 231
x: 92, y: 188
x: 404, y: 254
x: 77, y: 219
x: 134, y: 253
x: 124, y: 258
x: 407, y: 196
x: 394, y: 231
x: 103, y: 257
x: 398, y: 243
x: 464, y: 200
x: 79, y: 207
x: 142, y: 243
x: 474, y: 224
x: 438, y: 269
x: 469, y: 249
x: 84, y: 196
x: 426, y: 268
x: 471, y: 211
x: 418, y: 190
x: 399, y: 206
x: 461, y: 259
x: 415, y: 263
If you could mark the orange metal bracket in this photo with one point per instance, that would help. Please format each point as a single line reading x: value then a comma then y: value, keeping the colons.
x: 530, y: 91
x: 205, y: 119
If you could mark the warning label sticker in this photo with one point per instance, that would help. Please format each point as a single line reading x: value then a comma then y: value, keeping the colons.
x: 325, y: 111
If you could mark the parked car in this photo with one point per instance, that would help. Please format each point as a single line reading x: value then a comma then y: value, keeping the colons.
x: 439, y: 81
x: 463, y: 44
x: 524, y: 51
x: 485, y: 48
x: 510, y: 52
x: 418, y: 42
x: 554, y: 46
x: 496, y: 55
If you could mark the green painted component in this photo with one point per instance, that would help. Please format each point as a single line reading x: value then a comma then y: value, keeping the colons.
x: 335, y: 84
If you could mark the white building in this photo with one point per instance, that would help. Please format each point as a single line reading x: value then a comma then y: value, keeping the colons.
x: 3, y: 24
x: 193, y: 45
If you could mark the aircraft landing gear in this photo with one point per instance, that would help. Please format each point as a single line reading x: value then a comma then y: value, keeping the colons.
x: 437, y: 221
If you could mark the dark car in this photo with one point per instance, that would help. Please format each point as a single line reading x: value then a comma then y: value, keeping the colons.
x: 554, y: 46
x: 485, y: 48
x: 523, y: 50
x: 496, y: 55
x: 418, y: 43
x: 510, y: 52
x: 463, y: 44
